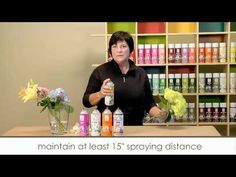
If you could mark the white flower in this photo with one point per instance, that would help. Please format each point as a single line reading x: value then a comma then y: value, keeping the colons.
x: 75, y: 128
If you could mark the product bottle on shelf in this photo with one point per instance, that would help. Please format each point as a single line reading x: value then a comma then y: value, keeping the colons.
x: 232, y: 52
x: 154, y: 54
x: 161, y: 53
x: 192, y: 53
x: 215, y: 116
x: 185, y: 83
x: 232, y: 83
x: 222, y: 82
x: 184, y: 53
x: 208, y: 88
x: 147, y: 54
x: 201, y: 82
x: 178, y: 82
x: 208, y: 112
x: 216, y: 83
x: 215, y: 52
x: 162, y: 83
x: 178, y: 55
x: 191, y: 114
x: 171, y: 84
x: 141, y: 54
x: 202, y: 116
x: 171, y: 53
x: 192, y: 79
x: 201, y: 53
x: 208, y: 52
x: 223, y: 112
x: 222, y: 52
x: 233, y: 111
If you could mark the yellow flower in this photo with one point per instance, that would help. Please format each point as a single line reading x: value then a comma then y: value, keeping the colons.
x: 21, y: 93
x: 172, y: 96
x: 56, y: 101
x: 179, y: 108
x: 176, y: 100
x: 30, y: 93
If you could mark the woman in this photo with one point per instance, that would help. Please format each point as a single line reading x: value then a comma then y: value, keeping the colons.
x: 132, y: 93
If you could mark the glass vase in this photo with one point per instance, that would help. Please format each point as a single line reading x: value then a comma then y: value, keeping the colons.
x: 58, y: 121
x: 169, y: 116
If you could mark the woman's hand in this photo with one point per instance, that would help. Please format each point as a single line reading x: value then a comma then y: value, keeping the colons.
x: 162, y: 115
x: 105, y: 90
x: 158, y: 113
x: 96, y: 97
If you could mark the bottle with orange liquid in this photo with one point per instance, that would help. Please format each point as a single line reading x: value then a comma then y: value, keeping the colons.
x: 208, y: 53
x: 106, y: 122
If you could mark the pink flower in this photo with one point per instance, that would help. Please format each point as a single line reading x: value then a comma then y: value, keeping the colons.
x: 42, y: 92
x: 43, y: 89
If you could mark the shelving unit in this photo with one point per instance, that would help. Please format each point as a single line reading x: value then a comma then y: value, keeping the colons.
x: 185, y: 32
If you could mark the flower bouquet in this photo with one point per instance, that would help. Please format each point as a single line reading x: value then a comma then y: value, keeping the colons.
x: 56, y: 101
x: 173, y: 102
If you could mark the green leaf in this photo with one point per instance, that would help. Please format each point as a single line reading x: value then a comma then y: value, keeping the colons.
x: 32, y: 82
x: 69, y: 109
x: 59, y: 106
x: 52, y: 112
x: 162, y: 105
x: 163, y: 100
x: 168, y: 118
x: 43, y: 108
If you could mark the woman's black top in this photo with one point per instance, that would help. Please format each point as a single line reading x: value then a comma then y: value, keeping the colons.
x: 132, y: 92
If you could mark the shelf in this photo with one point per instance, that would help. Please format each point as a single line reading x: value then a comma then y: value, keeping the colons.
x: 152, y: 40
x: 211, y: 27
x: 212, y: 94
x: 232, y: 68
x: 211, y: 64
x: 189, y: 94
x: 181, y: 64
x: 210, y: 38
x: 233, y: 27
x: 179, y: 33
x: 184, y: 94
x: 171, y: 123
x: 232, y: 94
x: 152, y: 34
x: 181, y: 123
x: 181, y: 27
x: 159, y: 94
x: 124, y: 26
x: 151, y: 27
x: 150, y: 65
x: 212, y: 33
x: 179, y: 69
x: 212, y: 123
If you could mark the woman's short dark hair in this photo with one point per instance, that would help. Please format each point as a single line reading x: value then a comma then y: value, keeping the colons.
x: 121, y: 36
